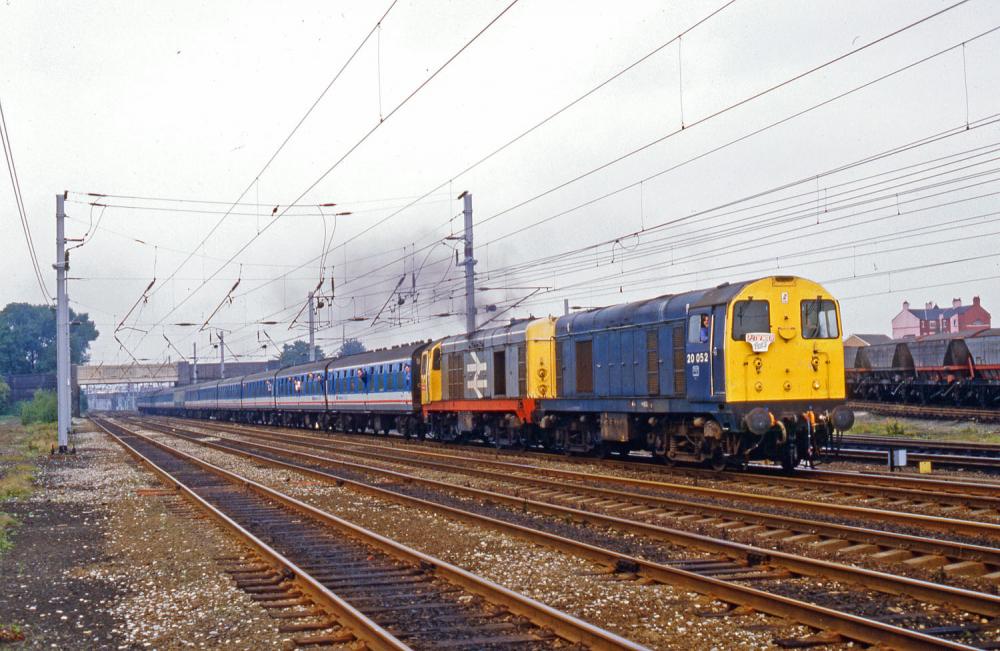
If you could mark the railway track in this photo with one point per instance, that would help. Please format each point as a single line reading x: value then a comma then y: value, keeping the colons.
x: 802, y: 494
x: 886, y: 489
x: 720, y: 577
x: 927, y: 411
x: 361, y: 585
x: 876, y: 452
x: 983, y: 457
x: 915, y: 551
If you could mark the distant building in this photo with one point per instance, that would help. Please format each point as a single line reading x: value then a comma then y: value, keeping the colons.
x: 934, y: 320
x: 856, y: 341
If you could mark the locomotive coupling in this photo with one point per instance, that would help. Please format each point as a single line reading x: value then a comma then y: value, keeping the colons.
x: 842, y: 418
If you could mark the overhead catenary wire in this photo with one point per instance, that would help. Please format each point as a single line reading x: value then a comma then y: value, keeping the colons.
x: 361, y: 278
x: 292, y: 133
x: 701, y: 215
x: 345, y: 155
x: 699, y: 275
x: 566, y: 258
x: 19, y: 202
x: 735, y: 105
x: 349, y: 151
x: 533, y: 264
x: 510, y: 142
x: 701, y: 121
x: 870, y: 176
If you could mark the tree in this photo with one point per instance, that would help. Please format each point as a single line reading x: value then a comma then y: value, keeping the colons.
x: 297, y: 353
x: 28, y: 338
x: 351, y: 347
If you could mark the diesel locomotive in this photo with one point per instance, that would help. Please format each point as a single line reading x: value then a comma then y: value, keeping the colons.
x: 722, y: 376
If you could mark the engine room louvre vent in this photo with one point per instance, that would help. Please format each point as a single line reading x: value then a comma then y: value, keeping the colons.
x: 585, y: 366
x: 560, y: 366
x: 456, y: 376
x: 652, y: 363
x: 522, y: 370
x: 679, y: 385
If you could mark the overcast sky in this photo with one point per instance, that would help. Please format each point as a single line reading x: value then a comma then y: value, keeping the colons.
x: 159, y: 102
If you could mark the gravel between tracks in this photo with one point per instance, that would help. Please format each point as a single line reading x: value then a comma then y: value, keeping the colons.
x: 930, y: 574
x: 659, y: 616
x: 852, y: 599
x: 758, y: 484
x: 749, y: 538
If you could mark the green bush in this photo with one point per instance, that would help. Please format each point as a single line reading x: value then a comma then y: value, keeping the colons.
x: 894, y: 428
x: 41, y: 409
x: 4, y: 397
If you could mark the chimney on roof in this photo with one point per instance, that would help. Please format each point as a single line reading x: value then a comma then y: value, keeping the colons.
x: 975, y: 300
x: 906, y: 305
x: 956, y: 302
x: 928, y: 305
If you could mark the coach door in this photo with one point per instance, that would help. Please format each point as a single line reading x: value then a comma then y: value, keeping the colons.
x: 698, y: 358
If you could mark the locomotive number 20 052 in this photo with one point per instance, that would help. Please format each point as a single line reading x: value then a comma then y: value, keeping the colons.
x: 697, y: 358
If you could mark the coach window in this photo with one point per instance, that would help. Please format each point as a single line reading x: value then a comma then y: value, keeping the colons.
x: 750, y: 316
x: 819, y: 319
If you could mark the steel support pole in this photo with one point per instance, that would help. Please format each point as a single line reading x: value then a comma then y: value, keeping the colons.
x: 63, y: 389
x: 194, y: 363
x: 312, y: 327
x: 469, y: 263
x: 222, y: 356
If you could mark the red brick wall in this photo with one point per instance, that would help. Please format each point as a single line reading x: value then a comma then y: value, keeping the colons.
x: 973, y: 314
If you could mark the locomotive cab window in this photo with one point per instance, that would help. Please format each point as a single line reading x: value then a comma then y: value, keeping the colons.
x: 436, y: 359
x: 819, y: 319
x: 699, y: 329
x: 750, y: 316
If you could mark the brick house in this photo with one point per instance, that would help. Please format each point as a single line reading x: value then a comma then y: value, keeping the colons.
x: 933, y: 320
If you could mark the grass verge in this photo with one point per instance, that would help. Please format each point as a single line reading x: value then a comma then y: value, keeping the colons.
x: 21, y: 446
x: 919, y: 428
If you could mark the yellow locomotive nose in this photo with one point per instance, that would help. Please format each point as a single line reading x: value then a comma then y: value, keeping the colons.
x: 804, y: 359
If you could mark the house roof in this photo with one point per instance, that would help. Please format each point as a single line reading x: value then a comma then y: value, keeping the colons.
x: 874, y: 339
x: 936, y: 313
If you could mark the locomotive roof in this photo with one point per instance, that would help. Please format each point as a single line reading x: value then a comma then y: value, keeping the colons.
x: 487, y: 337
x: 652, y: 310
